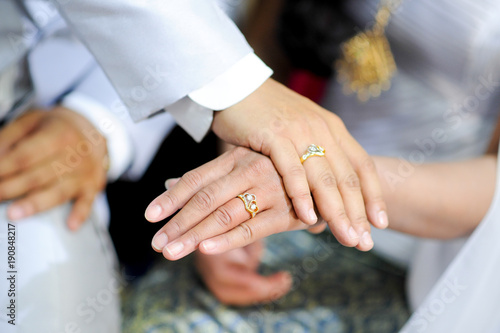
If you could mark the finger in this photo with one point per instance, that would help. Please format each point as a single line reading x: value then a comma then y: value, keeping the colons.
x: 32, y: 150
x: 26, y: 181
x: 209, y: 199
x: 223, y: 219
x: 365, y: 168
x: 349, y: 187
x: 81, y: 210
x: 169, y: 183
x: 331, y: 204
x: 249, y: 232
x: 317, y: 228
x: 251, y: 288
x: 16, y: 130
x: 44, y: 199
x: 172, y: 200
x: 285, y: 158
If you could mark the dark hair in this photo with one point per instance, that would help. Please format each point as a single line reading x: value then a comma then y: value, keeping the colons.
x: 311, y: 32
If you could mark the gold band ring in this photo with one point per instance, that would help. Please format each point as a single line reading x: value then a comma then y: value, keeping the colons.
x: 250, y: 201
x: 312, y: 150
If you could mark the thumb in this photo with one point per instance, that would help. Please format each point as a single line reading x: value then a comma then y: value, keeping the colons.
x: 269, y: 288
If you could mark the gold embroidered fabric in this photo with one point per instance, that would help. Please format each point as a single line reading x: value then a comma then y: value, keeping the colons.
x: 367, y: 64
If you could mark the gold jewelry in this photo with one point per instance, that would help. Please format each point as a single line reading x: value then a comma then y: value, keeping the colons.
x: 250, y: 201
x: 367, y: 64
x: 312, y: 150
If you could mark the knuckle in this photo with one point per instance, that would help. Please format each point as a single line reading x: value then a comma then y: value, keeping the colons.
x: 368, y: 165
x: 32, y: 182
x: 351, y: 182
x: 238, y: 152
x: 174, y: 227
x: 375, y: 199
x: 297, y: 171
x: 360, y: 220
x: 299, y: 195
x: 22, y: 160
x: 223, y: 217
x: 328, y: 180
x: 246, y: 232
x: 193, y: 179
x: 260, y: 166
x: 169, y: 199
x: 204, y: 199
x: 193, y: 238
x: 332, y: 217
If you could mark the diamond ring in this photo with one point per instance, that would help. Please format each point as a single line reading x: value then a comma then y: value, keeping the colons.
x: 312, y: 150
x: 250, y: 201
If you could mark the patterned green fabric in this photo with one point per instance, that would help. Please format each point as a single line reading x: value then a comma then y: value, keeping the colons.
x: 336, y: 289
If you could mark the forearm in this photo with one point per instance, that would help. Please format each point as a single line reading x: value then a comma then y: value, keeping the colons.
x: 441, y: 200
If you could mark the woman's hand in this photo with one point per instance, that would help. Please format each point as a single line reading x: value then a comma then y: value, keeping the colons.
x: 234, y: 279
x: 48, y: 158
x: 215, y: 220
x: 281, y: 124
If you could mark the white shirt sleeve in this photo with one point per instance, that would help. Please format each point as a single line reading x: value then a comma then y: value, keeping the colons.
x: 157, y: 52
x: 120, y: 149
x: 194, y: 112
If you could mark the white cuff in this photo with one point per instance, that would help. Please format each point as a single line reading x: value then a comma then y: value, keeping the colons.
x: 234, y: 85
x: 119, y: 146
x: 194, y: 112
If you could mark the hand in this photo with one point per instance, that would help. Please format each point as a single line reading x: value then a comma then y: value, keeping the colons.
x: 233, y: 278
x: 46, y: 160
x: 214, y: 219
x: 282, y: 124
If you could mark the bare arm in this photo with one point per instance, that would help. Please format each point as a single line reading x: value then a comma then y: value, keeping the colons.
x: 441, y: 200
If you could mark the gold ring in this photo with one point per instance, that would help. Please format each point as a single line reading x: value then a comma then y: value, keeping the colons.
x: 312, y: 150
x: 250, y: 201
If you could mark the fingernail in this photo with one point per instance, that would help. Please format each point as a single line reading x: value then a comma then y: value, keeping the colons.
x: 160, y: 241
x: 175, y: 248
x: 16, y: 212
x: 382, y: 219
x: 366, y: 239
x: 312, y: 216
x: 352, y: 233
x: 209, y: 245
x: 153, y: 212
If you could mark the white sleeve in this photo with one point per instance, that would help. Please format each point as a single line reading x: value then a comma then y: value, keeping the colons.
x: 194, y: 112
x: 157, y: 52
x: 60, y: 64
x: 120, y: 149
x: 131, y: 146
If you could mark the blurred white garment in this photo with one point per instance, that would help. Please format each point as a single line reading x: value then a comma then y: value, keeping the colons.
x: 466, y: 298
x: 444, y: 100
x: 201, y: 62
x: 443, y: 105
x: 64, y: 281
x: 57, y: 275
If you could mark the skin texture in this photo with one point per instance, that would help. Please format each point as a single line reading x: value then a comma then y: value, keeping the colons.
x: 424, y: 200
x: 47, y: 160
x: 213, y: 219
x: 234, y: 279
x: 344, y: 183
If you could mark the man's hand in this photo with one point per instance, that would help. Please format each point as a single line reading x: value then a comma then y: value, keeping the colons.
x: 46, y: 160
x: 234, y: 280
